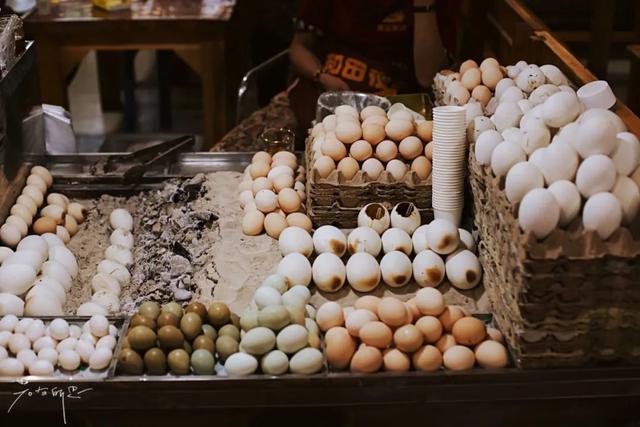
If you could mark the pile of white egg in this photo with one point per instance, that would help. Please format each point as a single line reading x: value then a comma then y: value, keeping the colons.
x: 113, y: 270
x: 32, y: 346
x: 279, y: 332
x: 397, y: 235
x: 35, y: 278
x: 59, y: 216
x: 377, y: 141
x: 272, y: 194
x: 559, y: 157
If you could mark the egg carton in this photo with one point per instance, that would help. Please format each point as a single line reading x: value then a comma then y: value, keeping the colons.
x: 568, y: 300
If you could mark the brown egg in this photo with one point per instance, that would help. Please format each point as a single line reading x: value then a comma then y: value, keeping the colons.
x: 458, y: 358
x: 348, y: 167
x: 373, y: 133
x: 422, y: 167
x: 482, y: 94
x: 289, y: 200
x: 386, y: 150
x: 360, y: 150
x: 449, y: 316
x: 274, y: 224
x: 333, y: 148
x: 261, y: 156
x: 430, y: 327
x: 397, y: 130
x: 372, y: 111
x: 170, y: 337
x: 70, y: 224
x: 392, y: 311
x: 63, y: 234
x: 218, y: 314
x: 301, y: 220
x: 373, y: 168
x: 410, y: 147
x: 397, y: 169
x: 348, y: 131
x: 430, y: 301
x: 427, y: 359
x: 495, y: 334
x: 191, y: 325
x: 139, y: 319
x: 445, y: 342
x: 376, y: 334
x: 282, y: 181
x: 469, y: 331
x: 167, y: 318
x: 366, y: 360
x: 424, y: 129
x: 259, y: 169
x: 261, y: 183
x: 45, y: 225
x: 284, y: 155
x: 428, y: 151
x: 253, y: 223
x: 394, y: 360
x: 324, y: 165
x: 491, y: 76
x: 290, y: 162
x: 376, y: 120
x: 491, y: 354
x: 348, y: 117
x: 412, y: 308
x: 204, y: 342
x: 408, y: 338
x: 471, y: 78
x: 466, y: 65
x: 368, y: 302
x: 339, y: 347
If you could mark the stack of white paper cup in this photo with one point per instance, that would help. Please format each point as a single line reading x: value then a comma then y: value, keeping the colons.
x: 449, y: 160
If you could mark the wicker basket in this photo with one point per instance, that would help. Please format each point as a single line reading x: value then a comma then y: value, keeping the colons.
x: 569, y: 300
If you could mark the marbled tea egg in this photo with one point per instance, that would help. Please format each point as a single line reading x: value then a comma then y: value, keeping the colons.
x: 539, y: 212
x: 602, y: 213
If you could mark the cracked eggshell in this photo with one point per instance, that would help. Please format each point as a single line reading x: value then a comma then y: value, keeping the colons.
x: 116, y: 270
x: 485, y: 144
x: 522, y: 178
x: 467, y: 240
x: 540, y: 94
x: 395, y: 268
x: 558, y: 162
x: 507, y: 115
x: 363, y: 272
x: 595, y: 136
x: 364, y: 239
x: 539, y: 212
x: 102, y: 281
x: 16, y: 279
x: 107, y: 300
x: 125, y: 238
x: 58, y: 272
x: 568, y: 197
x: 65, y: 257
x: 477, y: 126
x: 396, y: 239
x: 628, y: 194
x: 375, y: 216
x: 505, y: 155
x: 560, y: 108
x: 419, y: 239
x: 296, y: 268
x: 596, y: 174
x: 626, y: 156
x: 405, y: 215
x: 295, y: 239
x: 329, y: 272
x: 602, y: 213
x: 613, y: 118
x: 11, y: 304
x: 428, y: 269
x: 328, y: 238
x: 463, y: 269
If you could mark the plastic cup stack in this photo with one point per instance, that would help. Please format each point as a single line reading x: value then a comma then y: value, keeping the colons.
x: 449, y: 160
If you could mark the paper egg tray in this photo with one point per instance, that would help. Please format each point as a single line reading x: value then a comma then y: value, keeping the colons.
x: 83, y: 373
x: 336, y: 201
x: 569, y: 300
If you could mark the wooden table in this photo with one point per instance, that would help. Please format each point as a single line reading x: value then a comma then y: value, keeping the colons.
x: 197, y: 30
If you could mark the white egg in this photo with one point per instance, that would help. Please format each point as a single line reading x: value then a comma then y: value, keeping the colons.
x: 266, y: 296
x: 626, y: 157
x: 41, y: 368
x: 44, y: 342
x: 405, y: 216
x: 292, y: 338
x: 296, y: 268
x: 558, y: 162
x: 121, y: 218
x: 3, y: 353
x: 502, y: 86
x: 328, y: 238
x: 602, y: 213
x: 477, y: 126
x: 4, y: 338
x: 364, y: 239
x: 241, y: 364
x: 280, y: 170
x: 35, y: 331
x: 512, y: 94
x: 16, y: 278
x: 4, y: 253
x: 553, y: 75
x: 396, y: 239
x: 507, y: 115
x: 530, y: 78
x: 569, y: 200
x: 113, y: 331
x: 75, y: 331
x: 295, y: 239
x: 540, y: 94
x: 53, y: 286
x: 463, y: 269
x: 525, y: 106
x: 99, y: 325
x: 84, y: 349
x: 374, y: 215
x: 11, y: 304
x: 329, y: 272
x: 428, y: 269
x: 59, y: 329
x: 626, y: 190
x: 539, y: 212
x: 122, y: 237
x: 357, y: 319
x: 307, y: 361
x: 504, y: 156
x: 90, y: 309
x: 107, y: 341
x: 51, y: 240
x: 595, y: 136
x: 522, y: 178
x: 419, y: 239
x: 443, y: 236
x: 100, y: 358
x: 602, y: 113
x: 69, y: 360
x: 485, y: 144
x: 24, y: 257
x: 58, y: 272
x: 513, y: 135
x: 116, y: 270
x: 18, y: 342
x: 119, y: 254
x: 18, y: 223
x: 266, y: 201
x: 363, y: 272
x: 65, y: 257
x: 41, y: 305
x: 106, y: 299
x: 105, y: 282
x: 11, y: 367
x: 274, y: 363
x: 49, y: 354
x: 35, y: 243
x: 560, y: 109
x: 66, y: 344
x: 534, y: 137
x: 467, y: 240
x: 23, y: 325
x: 9, y: 322
x: 596, y: 174
x: 395, y: 268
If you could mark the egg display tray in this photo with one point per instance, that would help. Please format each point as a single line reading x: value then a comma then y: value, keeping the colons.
x: 83, y: 374
x: 336, y: 201
x: 568, y: 300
